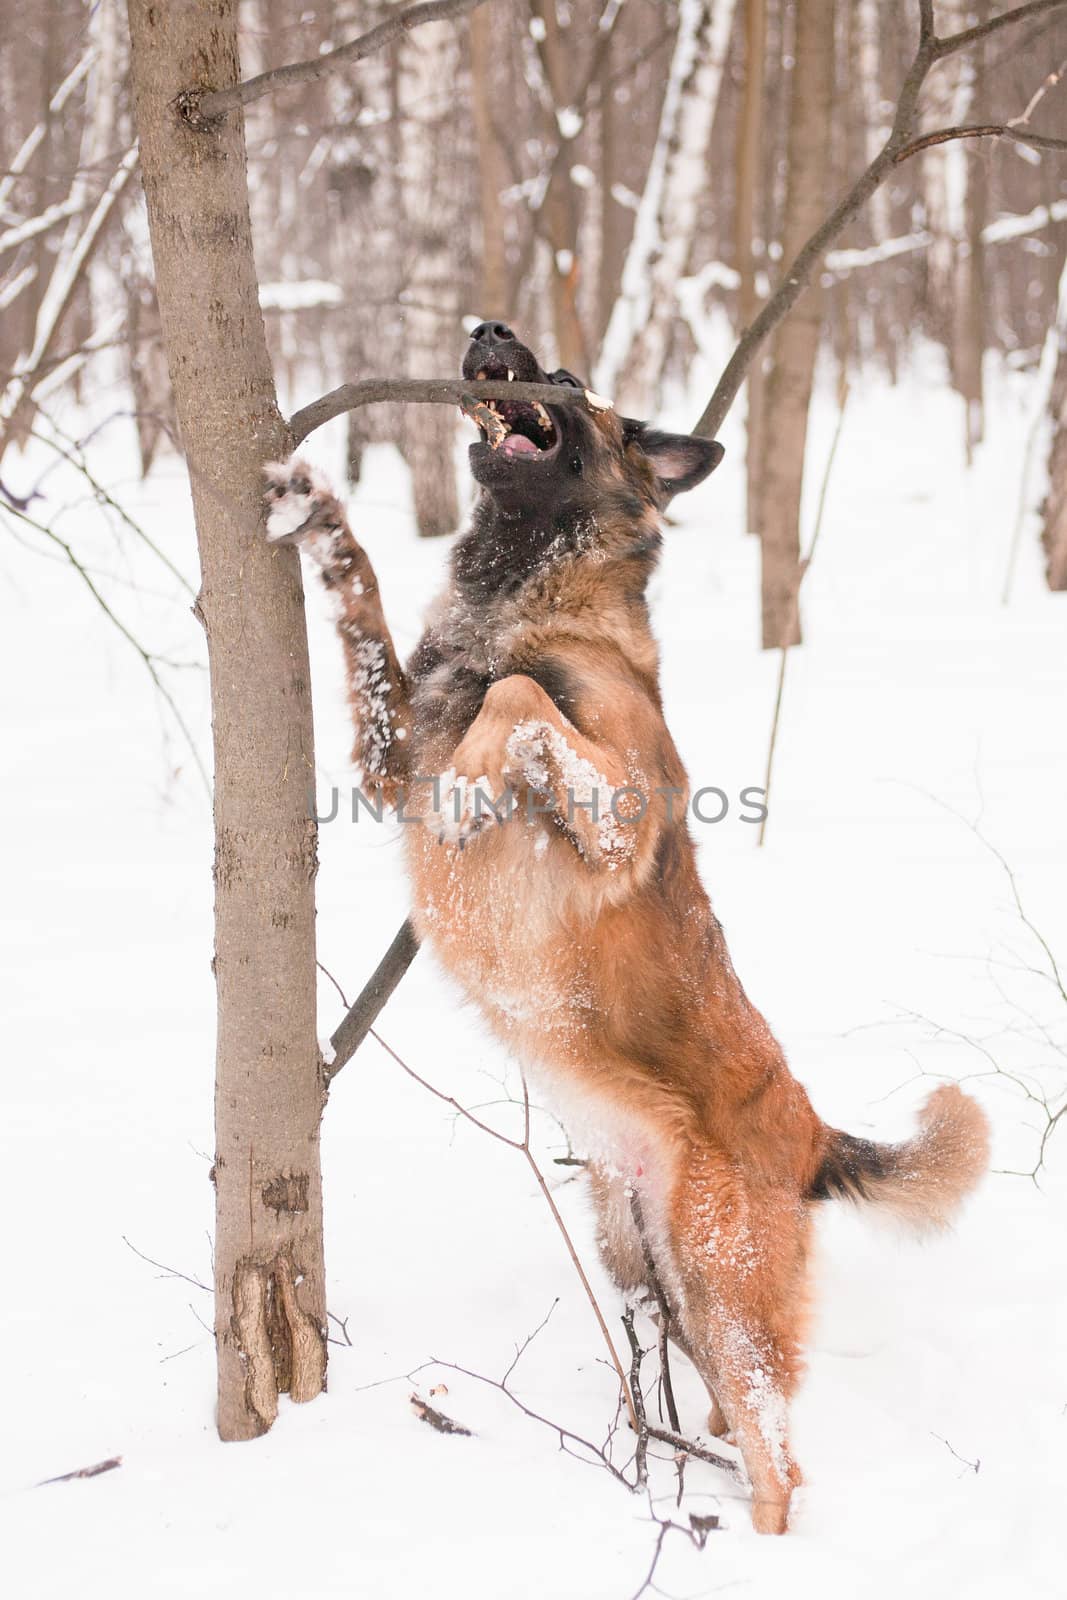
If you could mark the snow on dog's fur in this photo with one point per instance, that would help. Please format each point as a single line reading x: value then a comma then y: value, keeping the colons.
x: 576, y: 920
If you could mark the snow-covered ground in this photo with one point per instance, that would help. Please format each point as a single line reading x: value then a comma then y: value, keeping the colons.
x: 874, y: 928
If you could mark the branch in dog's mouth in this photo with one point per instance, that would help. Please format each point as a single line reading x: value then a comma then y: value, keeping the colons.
x: 514, y: 427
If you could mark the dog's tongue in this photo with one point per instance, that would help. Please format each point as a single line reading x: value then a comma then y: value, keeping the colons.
x: 517, y: 444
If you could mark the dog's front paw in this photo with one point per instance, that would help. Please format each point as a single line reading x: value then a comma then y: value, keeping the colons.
x: 462, y: 807
x: 300, y: 502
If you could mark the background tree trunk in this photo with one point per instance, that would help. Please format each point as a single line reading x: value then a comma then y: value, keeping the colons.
x: 789, y: 385
x: 684, y: 187
x: 270, y: 1312
x: 556, y: 44
x: 492, y: 175
x: 432, y: 339
x: 749, y: 167
x: 1054, y: 529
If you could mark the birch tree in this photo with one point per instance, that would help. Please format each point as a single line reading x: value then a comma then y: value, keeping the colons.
x: 638, y: 336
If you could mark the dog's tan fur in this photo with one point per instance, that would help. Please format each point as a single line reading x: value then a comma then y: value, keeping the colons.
x: 595, y: 955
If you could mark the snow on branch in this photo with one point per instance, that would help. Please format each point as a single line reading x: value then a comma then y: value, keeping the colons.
x: 200, y: 109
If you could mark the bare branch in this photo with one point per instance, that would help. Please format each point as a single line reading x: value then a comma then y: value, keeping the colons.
x: 897, y: 147
x: 422, y: 391
x: 200, y: 109
x: 983, y: 30
x: 983, y: 130
x: 151, y: 661
x: 362, y: 1016
x: 85, y: 1472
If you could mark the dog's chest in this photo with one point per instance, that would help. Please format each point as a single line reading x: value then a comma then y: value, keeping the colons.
x: 466, y: 652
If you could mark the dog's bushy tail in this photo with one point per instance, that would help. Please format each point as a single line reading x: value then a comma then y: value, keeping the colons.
x: 922, y: 1180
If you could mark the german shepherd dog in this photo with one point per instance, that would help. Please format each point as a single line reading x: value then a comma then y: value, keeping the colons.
x: 574, y: 916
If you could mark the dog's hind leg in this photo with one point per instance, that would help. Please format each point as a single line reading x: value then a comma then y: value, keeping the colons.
x: 303, y: 510
x: 741, y: 1260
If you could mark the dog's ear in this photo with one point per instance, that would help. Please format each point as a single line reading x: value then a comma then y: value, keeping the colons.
x: 680, y: 460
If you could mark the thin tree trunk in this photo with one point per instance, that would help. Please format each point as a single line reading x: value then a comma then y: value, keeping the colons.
x: 684, y: 189
x: 796, y: 346
x: 1054, y: 530
x: 428, y: 68
x: 638, y: 336
x: 555, y: 47
x: 749, y: 166
x: 492, y: 178
x: 270, y: 1311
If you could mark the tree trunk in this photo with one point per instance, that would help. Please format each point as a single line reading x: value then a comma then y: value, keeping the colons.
x: 556, y: 44
x: 1054, y: 531
x: 685, y: 187
x: 789, y: 385
x: 749, y: 163
x: 492, y: 176
x: 428, y: 69
x: 638, y: 335
x: 270, y: 1312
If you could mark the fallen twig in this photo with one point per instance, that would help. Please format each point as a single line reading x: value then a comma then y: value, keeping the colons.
x: 436, y: 1419
x: 84, y: 1472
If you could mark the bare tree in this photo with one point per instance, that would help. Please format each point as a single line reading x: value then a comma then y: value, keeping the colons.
x: 785, y: 420
x: 428, y: 71
x: 269, y: 1283
x: 684, y: 185
x: 1054, y: 529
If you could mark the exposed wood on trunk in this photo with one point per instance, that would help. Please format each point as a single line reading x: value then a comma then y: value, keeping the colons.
x: 269, y: 1287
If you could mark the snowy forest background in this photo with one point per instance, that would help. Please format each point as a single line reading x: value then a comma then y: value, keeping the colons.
x: 614, y: 179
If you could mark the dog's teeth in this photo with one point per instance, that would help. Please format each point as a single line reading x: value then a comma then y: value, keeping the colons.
x: 511, y: 376
x: 542, y: 414
x: 478, y: 376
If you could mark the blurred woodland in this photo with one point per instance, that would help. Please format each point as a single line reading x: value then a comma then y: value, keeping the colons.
x: 611, y: 175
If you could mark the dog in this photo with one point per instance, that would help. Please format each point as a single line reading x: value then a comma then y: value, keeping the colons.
x: 553, y: 874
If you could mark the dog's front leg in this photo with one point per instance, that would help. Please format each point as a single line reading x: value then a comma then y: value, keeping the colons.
x: 303, y: 510
x: 521, y: 758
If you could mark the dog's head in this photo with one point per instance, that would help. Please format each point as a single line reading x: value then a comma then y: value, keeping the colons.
x: 567, y: 458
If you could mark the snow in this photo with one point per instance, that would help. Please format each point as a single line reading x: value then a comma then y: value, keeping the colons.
x: 874, y: 928
x: 306, y: 295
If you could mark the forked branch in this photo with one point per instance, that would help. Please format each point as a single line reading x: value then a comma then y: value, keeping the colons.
x: 200, y: 108
x: 901, y: 144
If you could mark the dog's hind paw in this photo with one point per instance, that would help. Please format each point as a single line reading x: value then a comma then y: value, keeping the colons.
x: 300, y: 502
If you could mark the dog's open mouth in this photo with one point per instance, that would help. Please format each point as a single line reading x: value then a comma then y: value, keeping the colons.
x: 518, y: 429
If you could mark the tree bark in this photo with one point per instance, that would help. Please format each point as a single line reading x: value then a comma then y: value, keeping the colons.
x: 789, y: 385
x: 269, y: 1287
